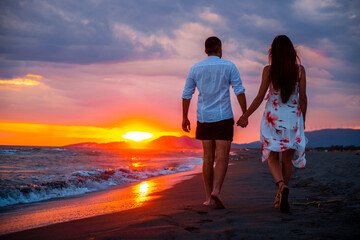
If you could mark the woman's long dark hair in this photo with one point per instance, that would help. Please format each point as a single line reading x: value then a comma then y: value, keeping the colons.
x: 284, y: 68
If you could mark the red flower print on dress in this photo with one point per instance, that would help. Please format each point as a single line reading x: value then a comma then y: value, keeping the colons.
x: 270, y: 119
x: 296, y: 127
x: 298, y: 111
x: 298, y: 140
x: 278, y: 131
x: 283, y: 148
x: 293, y: 101
x: 275, y: 103
x: 264, y: 151
x: 266, y: 141
x: 284, y: 140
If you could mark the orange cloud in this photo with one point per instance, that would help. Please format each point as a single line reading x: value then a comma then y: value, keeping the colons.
x: 33, y: 75
x: 22, y: 81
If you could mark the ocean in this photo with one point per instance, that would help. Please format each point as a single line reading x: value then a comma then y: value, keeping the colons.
x: 40, y: 186
x: 33, y: 174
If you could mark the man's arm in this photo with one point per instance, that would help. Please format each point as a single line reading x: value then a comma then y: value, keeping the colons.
x: 185, y: 109
x: 189, y: 90
x: 239, y: 90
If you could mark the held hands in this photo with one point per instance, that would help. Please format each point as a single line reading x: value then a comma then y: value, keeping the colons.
x: 242, y: 122
x: 186, y: 125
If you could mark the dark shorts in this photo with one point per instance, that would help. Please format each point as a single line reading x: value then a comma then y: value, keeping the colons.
x: 222, y: 130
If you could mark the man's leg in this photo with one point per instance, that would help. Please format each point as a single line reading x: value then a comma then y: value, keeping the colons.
x: 222, y: 150
x: 208, y: 167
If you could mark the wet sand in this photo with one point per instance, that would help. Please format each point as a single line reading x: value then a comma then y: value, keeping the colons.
x: 324, y: 200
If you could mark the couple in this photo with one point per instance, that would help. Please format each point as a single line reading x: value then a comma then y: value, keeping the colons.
x: 282, y: 125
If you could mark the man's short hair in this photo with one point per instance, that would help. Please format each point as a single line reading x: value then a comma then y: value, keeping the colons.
x: 212, y: 45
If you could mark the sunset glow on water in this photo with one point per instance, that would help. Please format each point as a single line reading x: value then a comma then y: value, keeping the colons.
x: 94, y: 204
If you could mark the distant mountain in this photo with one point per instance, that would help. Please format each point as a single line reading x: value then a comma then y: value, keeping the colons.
x: 102, y: 145
x: 248, y: 145
x: 320, y: 138
x: 85, y: 144
x: 323, y: 138
x: 329, y: 137
x: 175, y: 142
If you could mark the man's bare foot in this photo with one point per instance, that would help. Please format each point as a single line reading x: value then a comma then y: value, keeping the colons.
x: 217, y: 200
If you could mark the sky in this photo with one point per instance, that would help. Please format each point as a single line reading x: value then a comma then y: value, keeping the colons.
x: 79, y: 71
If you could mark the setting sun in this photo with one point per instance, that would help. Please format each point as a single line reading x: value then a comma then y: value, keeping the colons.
x: 137, y: 136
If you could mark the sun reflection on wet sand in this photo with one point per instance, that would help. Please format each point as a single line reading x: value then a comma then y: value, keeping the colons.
x: 144, y: 188
x: 92, y: 204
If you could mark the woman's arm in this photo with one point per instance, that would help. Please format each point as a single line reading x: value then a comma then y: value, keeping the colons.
x: 260, y: 96
x: 302, y: 93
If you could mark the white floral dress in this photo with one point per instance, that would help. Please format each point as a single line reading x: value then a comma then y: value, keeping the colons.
x: 282, y: 127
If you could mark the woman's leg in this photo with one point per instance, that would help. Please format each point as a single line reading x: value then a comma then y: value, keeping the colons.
x: 274, y: 166
x: 276, y: 171
x: 286, y: 164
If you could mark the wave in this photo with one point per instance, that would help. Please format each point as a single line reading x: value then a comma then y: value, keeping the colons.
x: 78, y: 182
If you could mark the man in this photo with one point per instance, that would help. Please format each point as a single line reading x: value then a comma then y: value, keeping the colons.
x: 215, y: 126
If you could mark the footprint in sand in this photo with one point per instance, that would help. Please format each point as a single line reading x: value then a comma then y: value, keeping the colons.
x: 192, y: 229
x: 201, y: 212
x: 206, y: 220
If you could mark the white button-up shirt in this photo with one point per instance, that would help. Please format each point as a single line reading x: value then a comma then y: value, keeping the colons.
x: 213, y: 77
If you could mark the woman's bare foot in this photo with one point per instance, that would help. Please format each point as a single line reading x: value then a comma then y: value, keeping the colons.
x: 284, y: 194
x: 277, y: 199
x: 284, y: 203
x: 208, y: 202
x: 217, y: 200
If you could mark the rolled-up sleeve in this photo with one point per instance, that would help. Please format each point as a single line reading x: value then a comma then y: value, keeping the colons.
x: 235, y: 81
x: 190, y: 86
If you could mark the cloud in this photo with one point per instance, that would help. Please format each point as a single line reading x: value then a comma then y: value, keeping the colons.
x: 211, y: 17
x: 316, y: 57
x: 34, y: 76
x: 187, y: 40
x: 318, y: 10
x: 21, y: 81
x: 265, y: 24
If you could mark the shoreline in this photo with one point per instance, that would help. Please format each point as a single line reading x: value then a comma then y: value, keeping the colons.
x: 248, y: 194
x: 115, y: 199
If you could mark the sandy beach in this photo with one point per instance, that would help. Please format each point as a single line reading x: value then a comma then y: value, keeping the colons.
x: 324, y: 200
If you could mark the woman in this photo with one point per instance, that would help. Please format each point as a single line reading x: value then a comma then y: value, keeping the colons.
x: 283, y: 123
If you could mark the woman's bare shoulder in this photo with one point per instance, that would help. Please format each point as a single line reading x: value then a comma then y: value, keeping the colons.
x: 302, y: 68
x: 266, y: 70
x: 302, y: 72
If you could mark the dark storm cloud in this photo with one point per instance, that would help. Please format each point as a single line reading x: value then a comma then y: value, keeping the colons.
x: 75, y: 31
x: 84, y: 32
